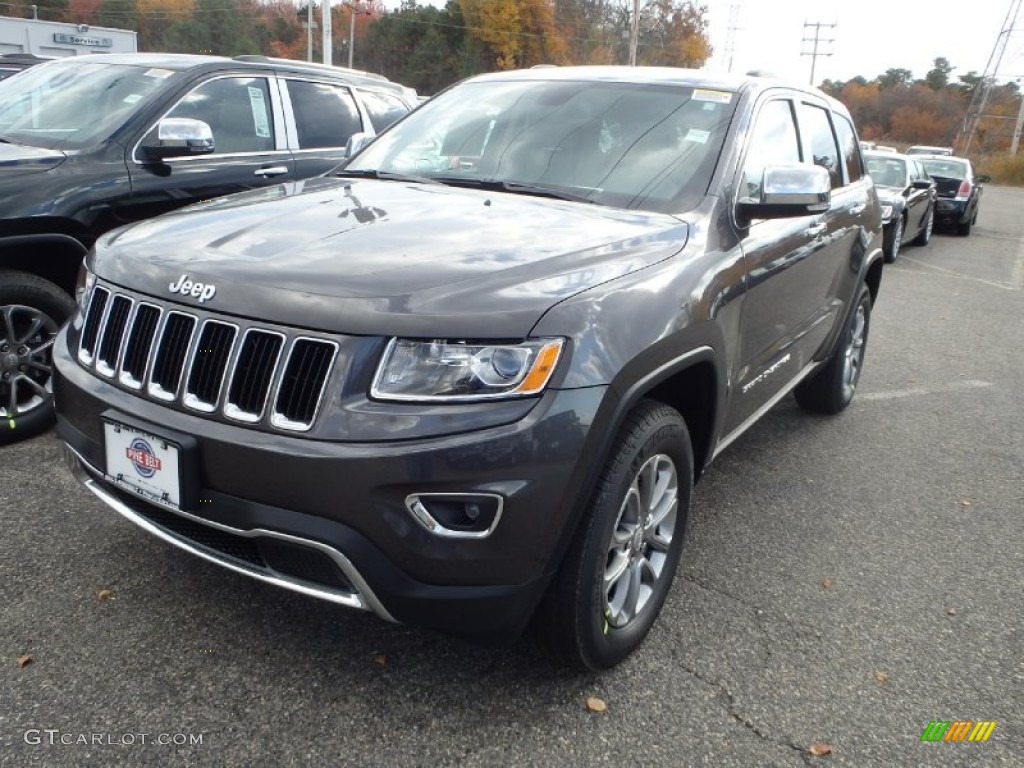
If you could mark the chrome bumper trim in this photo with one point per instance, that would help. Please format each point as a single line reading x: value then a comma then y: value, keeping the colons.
x: 363, y: 598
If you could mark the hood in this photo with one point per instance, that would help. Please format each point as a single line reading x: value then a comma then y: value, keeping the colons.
x: 19, y: 160
x: 385, y: 257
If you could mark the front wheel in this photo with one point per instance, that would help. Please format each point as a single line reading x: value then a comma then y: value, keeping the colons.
x: 615, y: 577
x: 893, y: 239
x: 831, y: 389
x: 926, y: 231
x: 31, y: 312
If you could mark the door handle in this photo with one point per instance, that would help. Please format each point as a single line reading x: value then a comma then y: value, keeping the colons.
x: 271, y: 171
x: 858, y: 209
x: 817, y: 229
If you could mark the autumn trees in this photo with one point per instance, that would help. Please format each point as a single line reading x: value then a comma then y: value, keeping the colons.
x: 895, y: 108
x: 422, y: 45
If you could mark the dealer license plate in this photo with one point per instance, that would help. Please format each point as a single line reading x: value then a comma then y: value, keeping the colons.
x: 144, y: 464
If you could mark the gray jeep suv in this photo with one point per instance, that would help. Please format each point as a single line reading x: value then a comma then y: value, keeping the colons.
x: 470, y: 379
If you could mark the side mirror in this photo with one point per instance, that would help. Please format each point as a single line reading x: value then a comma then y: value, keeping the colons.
x: 356, y: 143
x: 179, y: 137
x: 921, y: 184
x: 983, y: 178
x: 789, y: 191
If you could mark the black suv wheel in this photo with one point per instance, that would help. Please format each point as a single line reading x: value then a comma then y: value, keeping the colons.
x: 31, y: 312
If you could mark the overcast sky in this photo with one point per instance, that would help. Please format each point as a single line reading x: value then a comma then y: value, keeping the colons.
x: 870, y: 36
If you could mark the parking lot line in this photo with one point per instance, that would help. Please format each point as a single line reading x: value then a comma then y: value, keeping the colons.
x: 953, y: 386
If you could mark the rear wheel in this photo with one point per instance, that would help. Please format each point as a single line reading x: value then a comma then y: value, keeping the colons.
x: 926, y: 231
x: 893, y: 238
x: 964, y: 228
x: 614, y: 579
x: 832, y: 388
x: 31, y: 312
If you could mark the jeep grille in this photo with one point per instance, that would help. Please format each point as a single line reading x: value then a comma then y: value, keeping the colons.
x: 204, y: 364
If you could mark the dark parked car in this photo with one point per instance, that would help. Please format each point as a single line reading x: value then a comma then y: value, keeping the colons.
x: 958, y: 190
x: 12, y: 63
x: 89, y: 143
x: 471, y: 379
x: 907, y: 195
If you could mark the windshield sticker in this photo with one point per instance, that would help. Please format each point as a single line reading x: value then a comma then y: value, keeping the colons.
x: 697, y: 135
x: 131, y: 98
x: 260, y: 118
x: 161, y: 73
x: 718, y: 97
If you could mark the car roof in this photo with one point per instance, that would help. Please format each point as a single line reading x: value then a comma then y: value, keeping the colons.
x: 181, y: 62
x: 658, y: 75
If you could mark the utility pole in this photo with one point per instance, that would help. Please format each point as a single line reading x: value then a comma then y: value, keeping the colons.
x: 730, y: 34
x: 984, y: 88
x: 326, y: 9
x: 634, y: 33
x: 351, y: 33
x: 817, y: 40
x: 309, y: 30
x: 1017, y: 128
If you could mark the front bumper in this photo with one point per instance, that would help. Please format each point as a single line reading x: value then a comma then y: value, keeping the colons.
x: 330, y: 519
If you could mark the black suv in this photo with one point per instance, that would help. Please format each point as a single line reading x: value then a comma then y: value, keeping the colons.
x: 470, y: 380
x: 12, y: 63
x: 89, y: 143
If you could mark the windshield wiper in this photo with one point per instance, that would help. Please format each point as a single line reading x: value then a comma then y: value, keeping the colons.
x: 515, y: 188
x: 370, y: 173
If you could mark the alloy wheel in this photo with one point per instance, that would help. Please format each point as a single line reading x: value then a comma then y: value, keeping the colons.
x: 640, y: 542
x: 26, y: 376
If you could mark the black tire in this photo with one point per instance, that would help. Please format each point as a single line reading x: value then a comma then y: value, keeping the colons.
x: 963, y: 228
x: 581, y: 618
x: 926, y: 231
x: 832, y: 388
x: 31, y: 312
x: 892, y: 240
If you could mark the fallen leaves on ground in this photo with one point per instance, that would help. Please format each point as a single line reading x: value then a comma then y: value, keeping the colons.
x: 881, y: 676
x: 965, y: 503
x: 951, y: 611
x: 826, y: 583
x: 105, y: 594
x: 820, y: 750
x: 24, y: 661
x: 595, y: 704
x: 380, y: 659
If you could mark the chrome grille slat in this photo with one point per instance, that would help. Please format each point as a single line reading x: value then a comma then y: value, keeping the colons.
x: 209, y: 365
x: 301, y: 384
x: 93, y: 322
x: 172, y: 350
x: 256, y: 376
x: 108, y: 350
x: 253, y: 375
x: 139, y: 344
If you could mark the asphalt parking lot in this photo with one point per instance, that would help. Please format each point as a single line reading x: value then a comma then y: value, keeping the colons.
x: 845, y: 582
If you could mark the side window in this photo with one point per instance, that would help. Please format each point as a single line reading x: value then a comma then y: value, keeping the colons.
x: 819, y: 142
x: 384, y: 108
x: 238, y: 111
x: 325, y: 115
x: 772, y: 142
x: 851, y: 149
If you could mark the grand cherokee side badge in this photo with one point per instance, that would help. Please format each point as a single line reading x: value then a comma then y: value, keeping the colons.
x: 202, y: 291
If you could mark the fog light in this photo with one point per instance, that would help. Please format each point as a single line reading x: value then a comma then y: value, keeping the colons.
x: 457, y: 515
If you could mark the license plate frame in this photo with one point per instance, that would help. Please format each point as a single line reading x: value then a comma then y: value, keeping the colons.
x: 152, y: 463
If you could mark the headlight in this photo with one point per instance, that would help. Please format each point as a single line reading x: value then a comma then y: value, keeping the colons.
x: 445, y: 370
x: 83, y: 286
x: 886, y: 213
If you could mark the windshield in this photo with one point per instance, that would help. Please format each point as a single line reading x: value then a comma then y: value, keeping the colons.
x: 887, y: 172
x: 947, y: 169
x: 618, y: 144
x: 70, y: 105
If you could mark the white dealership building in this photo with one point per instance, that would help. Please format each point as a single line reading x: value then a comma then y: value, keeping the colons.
x: 53, y: 38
